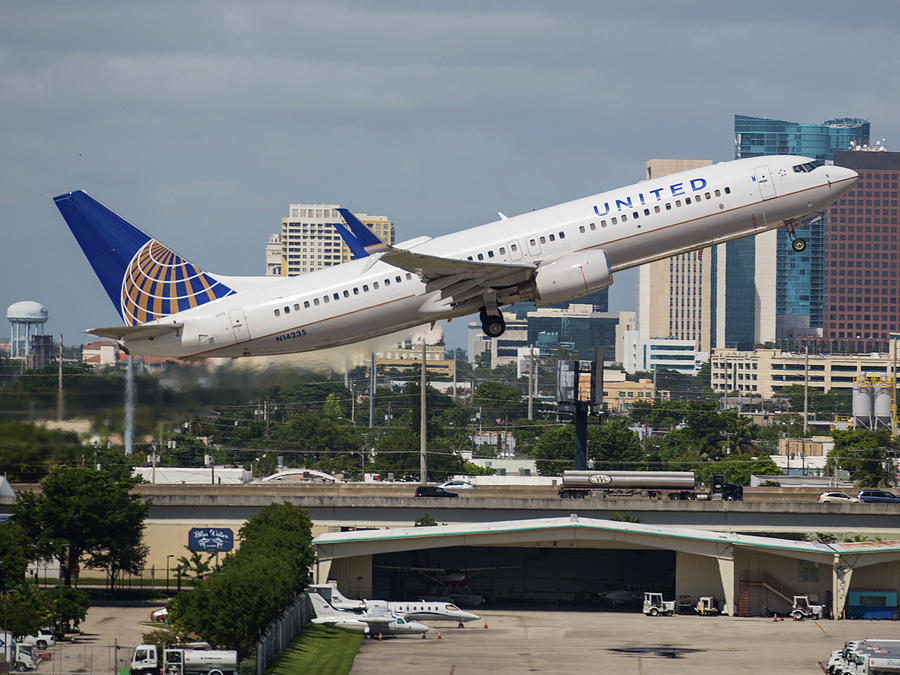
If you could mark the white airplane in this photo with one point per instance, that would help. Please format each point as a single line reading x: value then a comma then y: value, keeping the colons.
x: 368, y: 623
x: 416, y: 610
x: 171, y: 308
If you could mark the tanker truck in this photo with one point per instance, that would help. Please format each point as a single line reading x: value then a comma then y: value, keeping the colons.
x: 149, y: 660
x: 650, y: 484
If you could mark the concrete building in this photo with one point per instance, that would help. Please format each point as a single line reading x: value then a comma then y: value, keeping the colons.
x: 863, y: 290
x: 766, y: 371
x: 676, y: 295
x: 309, y: 240
x: 620, y: 395
x: 646, y: 354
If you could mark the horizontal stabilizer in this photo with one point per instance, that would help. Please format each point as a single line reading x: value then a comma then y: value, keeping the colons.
x: 136, y: 332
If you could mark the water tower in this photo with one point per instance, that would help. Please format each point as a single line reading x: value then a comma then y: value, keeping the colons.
x: 26, y: 318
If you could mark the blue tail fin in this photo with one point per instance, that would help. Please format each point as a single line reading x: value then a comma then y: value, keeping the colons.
x: 352, y: 242
x: 365, y: 236
x: 144, y: 279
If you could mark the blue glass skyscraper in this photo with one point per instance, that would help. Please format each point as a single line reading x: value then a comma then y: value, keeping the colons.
x: 800, y: 280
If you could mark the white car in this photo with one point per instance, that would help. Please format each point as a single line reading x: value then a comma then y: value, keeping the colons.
x: 159, y: 614
x: 837, y: 498
x: 457, y: 484
x: 45, y: 638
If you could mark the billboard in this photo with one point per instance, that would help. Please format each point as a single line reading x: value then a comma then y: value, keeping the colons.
x: 211, y: 539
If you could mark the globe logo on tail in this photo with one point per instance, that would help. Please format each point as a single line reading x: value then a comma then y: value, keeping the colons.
x: 159, y: 282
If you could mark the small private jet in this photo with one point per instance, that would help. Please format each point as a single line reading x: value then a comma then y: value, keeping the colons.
x: 417, y: 610
x: 172, y: 308
x: 371, y: 623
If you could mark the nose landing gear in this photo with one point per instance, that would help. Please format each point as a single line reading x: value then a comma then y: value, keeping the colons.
x: 797, y: 243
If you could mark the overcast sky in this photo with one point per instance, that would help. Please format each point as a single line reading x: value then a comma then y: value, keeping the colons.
x: 201, y: 122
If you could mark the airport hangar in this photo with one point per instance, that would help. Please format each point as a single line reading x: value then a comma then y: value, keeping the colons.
x: 567, y: 560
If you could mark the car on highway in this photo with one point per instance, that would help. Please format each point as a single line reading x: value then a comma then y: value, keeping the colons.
x: 457, y: 484
x: 433, y: 491
x: 837, y: 498
x: 159, y: 614
x: 877, y: 497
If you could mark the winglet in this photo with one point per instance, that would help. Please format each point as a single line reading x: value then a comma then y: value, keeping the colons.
x: 352, y: 242
x: 363, y: 234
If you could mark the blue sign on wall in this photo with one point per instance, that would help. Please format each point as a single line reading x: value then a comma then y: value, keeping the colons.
x: 210, y: 539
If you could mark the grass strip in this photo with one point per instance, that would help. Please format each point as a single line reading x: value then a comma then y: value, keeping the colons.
x: 318, y: 649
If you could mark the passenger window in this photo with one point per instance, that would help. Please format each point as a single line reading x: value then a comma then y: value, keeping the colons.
x: 718, y: 193
x: 728, y: 191
x: 337, y: 296
x: 678, y: 202
x: 646, y: 212
x: 552, y: 238
x: 490, y: 254
x: 543, y: 240
x: 581, y: 229
x: 355, y: 291
x: 624, y: 218
x: 277, y: 312
x: 562, y: 235
x: 533, y: 242
x: 375, y: 285
x: 346, y: 293
x: 287, y: 310
x: 656, y: 209
x: 687, y: 200
x: 387, y: 282
x: 408, y: 276
x: 365, y: 288
x: 502, y: 251
x: 397, y: 279
x: 481, y: 256
x: 614, y: 220
x: 469, y: 258
x: 593, y: 227
x: 668, y: 206
x: 296, y: 306
x: 708, y: 196
x: 306, y: 304
x: 635, y: 214
x: 514, y: 248
x: 325, y: 299
x: 316, y: 302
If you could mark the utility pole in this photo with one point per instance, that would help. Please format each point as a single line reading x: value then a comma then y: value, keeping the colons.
x: 372, y: 392
x: 423, y: 426
x: 805, y: 409
x: 531, y: 385
x: 60, y: 401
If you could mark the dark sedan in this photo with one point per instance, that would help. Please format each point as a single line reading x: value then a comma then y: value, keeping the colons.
x: 877, y: 497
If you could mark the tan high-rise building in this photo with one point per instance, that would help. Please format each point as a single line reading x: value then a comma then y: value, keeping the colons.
x: 309, y: 240
x: 675, y: 294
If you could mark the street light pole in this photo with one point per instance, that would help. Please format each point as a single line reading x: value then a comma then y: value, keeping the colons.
x: 167, y: 571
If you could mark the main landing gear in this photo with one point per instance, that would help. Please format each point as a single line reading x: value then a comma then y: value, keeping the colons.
x: 492, y: 322
x: 797, y: 243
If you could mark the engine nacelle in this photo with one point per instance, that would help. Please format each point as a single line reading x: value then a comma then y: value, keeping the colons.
x: 572, y: 276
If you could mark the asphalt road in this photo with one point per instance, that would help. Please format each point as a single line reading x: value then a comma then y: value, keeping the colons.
x: 615, y: 642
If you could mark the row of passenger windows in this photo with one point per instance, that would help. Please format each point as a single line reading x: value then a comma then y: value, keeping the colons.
x: 356, y: 290
x: 658, y: 209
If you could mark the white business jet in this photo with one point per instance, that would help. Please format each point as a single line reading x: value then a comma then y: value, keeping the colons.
x: 417, y: 610
x: 371, y: 623
x: 171, y: 308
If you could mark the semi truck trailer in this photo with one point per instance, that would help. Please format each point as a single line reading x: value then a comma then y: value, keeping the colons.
x: 680, y: 485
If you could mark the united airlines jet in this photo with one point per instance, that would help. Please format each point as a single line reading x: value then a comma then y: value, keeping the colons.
x: 172, y: 308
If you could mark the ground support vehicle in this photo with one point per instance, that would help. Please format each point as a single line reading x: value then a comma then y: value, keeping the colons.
x: 866, y: 657
x: 706, y: 606
x: 654, y: 605
x: 19, y: 657
x: 676, y: 485
x: 802, y: 609
x: 147, y: 660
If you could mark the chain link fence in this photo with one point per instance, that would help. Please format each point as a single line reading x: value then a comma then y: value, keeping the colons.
x: 83, y: 659
x: 281, y: 631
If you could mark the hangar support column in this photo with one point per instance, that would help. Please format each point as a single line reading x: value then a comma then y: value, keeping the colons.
x: 840, y: 584
x: 725, y: 558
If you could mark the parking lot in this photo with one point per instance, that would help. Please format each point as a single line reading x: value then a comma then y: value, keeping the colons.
x: 608, y: 642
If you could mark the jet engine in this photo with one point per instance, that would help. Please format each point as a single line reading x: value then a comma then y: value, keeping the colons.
x: 572, y: 276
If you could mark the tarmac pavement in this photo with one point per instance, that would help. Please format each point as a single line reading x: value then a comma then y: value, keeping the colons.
x: 616, y: 642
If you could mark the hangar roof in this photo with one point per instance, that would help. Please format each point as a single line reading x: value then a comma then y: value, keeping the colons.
x: 571, y: 531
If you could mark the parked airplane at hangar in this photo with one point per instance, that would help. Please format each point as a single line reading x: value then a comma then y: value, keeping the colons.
x: 171, y: 308
x: 367, y: 623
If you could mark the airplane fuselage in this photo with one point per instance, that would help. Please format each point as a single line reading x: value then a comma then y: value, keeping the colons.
x: 633, y: 225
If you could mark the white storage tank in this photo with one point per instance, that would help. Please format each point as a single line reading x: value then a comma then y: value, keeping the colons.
x: 882, y: 405
x: 862, y: 405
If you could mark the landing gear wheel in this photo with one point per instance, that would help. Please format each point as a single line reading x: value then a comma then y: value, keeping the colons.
x: 798, y: 245
x: 461, y: 625
x: 653, y: 611
x: 493, y: 325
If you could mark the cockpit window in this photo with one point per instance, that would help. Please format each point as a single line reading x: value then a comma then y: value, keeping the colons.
x: 808, y: 166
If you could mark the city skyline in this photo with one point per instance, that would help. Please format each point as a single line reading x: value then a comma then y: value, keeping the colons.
x: 199, y: 122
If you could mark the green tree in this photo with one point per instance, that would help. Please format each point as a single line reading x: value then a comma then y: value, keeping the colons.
x: 14, y: 555
x: 613, y: 446
x: 27, y: 451
x: 66, y: 606
x: 498, y: 401
x: 77, y: 513
x: 864, y: 454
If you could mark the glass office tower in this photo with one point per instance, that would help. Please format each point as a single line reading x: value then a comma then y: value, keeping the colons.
x: 800, y: 279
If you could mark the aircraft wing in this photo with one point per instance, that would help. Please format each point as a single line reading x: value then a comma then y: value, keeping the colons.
x: 136, y: 332
x: 458, y: 280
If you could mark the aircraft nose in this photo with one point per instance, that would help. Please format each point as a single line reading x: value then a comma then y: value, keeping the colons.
x: 846, y: 178
x: 417, y: 627
x: 469, y: 616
